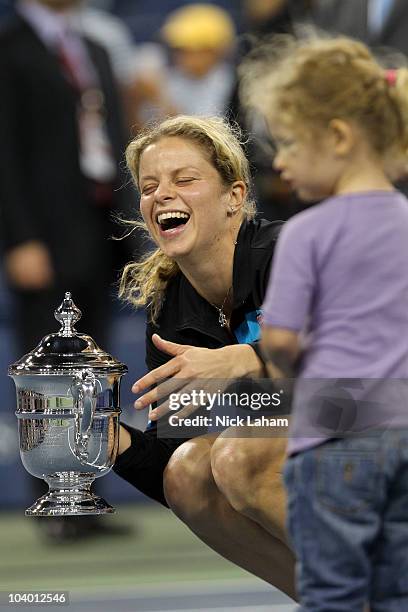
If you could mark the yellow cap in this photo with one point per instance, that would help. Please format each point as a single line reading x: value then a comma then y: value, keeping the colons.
x: 199, y: 26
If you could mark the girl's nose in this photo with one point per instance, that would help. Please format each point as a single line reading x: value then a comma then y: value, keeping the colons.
x: 277, y: 163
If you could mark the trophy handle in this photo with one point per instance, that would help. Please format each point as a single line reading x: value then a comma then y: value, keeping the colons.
x: 83, y: 389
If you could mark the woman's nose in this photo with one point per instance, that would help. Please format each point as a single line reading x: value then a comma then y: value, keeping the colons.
x: 164, y: 192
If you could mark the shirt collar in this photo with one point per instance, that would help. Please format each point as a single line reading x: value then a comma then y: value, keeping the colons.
x: 49, y: 25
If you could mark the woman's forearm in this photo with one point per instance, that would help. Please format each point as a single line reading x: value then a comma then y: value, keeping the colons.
x: 124, y: 440
x: 143, y: 462
x: 243, y: 361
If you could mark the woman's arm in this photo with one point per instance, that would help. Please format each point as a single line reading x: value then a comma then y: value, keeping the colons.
x: 143, y: 461
x: 143, y: 456
x: 125, y: 440
x: 189, y: 364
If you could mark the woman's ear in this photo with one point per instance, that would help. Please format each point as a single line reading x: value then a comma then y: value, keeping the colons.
x: 343, y: 136
x: 237, y: 196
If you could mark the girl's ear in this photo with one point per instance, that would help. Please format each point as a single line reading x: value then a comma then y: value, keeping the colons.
x: 343, y: 136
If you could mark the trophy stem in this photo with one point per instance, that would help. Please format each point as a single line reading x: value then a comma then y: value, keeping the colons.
x: 69, y: 495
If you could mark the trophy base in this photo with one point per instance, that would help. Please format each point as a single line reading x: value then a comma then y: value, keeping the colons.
x: 69, y: 497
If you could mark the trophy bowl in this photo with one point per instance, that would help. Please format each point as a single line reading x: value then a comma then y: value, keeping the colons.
x: 68, y: 416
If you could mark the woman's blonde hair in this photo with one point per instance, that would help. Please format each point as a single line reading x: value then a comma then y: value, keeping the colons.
x: 307, y: 83
x: 143, y: 283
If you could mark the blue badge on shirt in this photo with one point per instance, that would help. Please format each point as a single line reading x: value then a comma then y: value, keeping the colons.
x: 250, y: 329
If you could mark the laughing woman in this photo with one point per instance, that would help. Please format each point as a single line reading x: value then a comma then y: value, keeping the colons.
x: 202, y: 288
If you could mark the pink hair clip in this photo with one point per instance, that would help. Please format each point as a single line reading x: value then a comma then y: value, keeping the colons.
x: 391, y: 77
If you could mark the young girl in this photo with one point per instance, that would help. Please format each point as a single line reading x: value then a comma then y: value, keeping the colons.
x: 339, y: 276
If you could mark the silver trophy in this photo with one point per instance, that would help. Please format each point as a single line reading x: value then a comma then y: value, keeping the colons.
x: 68, y: 416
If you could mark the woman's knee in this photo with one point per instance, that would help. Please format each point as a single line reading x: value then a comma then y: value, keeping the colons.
x: 188, y: 481
x: 243, y: 468
x: 230, y: 464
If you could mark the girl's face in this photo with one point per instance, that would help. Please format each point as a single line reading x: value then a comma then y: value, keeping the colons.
x: 183, y: 201
x: 311, y: 167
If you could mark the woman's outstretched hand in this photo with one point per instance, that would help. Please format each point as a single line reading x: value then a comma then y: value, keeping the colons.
x: 193, y: 369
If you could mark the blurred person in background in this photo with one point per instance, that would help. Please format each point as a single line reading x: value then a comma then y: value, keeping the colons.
x: 195, y: 73
x: 60, y: 150
x: 379, y: 23
x: 272, y: 16
x: 265, y: 18
x: 98, y: 24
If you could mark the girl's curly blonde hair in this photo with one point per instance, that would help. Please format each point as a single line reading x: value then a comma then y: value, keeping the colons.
x: 306, y: 83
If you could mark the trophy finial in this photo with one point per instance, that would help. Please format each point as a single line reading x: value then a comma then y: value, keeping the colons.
x: 67, y: 314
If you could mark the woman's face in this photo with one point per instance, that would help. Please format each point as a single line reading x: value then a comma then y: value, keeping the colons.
x: 183, y: 201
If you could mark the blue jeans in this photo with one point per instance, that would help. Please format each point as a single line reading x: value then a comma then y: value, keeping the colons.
x: 348, y: 522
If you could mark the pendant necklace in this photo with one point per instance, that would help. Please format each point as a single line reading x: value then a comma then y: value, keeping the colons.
x: 222, y: 318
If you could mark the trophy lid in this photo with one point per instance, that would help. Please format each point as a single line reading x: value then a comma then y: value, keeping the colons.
x: 67, y: 351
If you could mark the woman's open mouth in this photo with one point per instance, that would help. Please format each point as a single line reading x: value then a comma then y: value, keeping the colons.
x: 172, y: 223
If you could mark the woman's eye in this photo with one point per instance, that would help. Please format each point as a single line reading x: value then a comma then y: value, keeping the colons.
x: 185, y: 179
x: 148, y: 189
